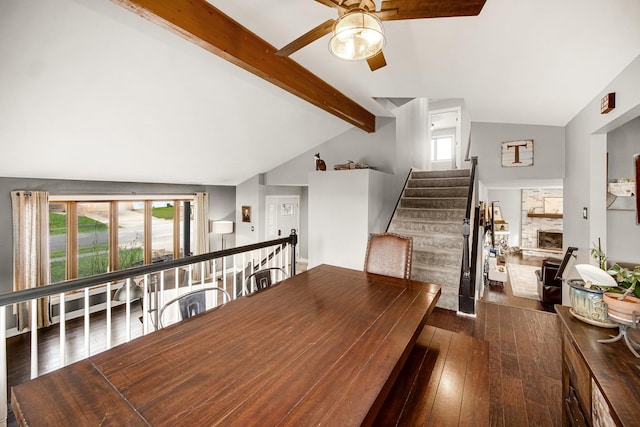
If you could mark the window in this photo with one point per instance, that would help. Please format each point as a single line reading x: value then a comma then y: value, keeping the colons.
x: 441, y: 148
x: 89, y: 237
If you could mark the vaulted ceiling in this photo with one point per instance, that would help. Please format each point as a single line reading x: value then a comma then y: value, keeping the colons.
x: 93, y: 91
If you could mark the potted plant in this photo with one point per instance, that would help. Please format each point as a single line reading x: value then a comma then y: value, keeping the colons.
x: 624, y: 302
x: 605, y: 292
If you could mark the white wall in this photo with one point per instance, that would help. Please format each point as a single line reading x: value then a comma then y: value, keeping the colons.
x: 548, y: 151
x: 338, y: 217
x: 376, y: 149
x: 90, y: 76
x: 248, y: 194
x: 412, y: 136
x: 344, y: 207
x: 585, y: 180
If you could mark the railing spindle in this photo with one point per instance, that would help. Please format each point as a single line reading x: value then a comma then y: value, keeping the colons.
x: 63, y: 330
x: 127, y: 316
x: 145, y: 305
x: 108, y: 302
x: 87, y: 343
x: 34, y: 338
x: 235, y: 282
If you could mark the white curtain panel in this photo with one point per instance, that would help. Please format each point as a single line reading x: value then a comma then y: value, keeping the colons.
x: 30, y: 251
x: 201, y: 219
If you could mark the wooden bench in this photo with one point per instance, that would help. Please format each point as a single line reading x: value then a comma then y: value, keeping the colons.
x: 445, y: 382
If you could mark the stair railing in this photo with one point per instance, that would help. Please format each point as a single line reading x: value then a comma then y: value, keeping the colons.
x: 466, y: 291
x: 399, y: 199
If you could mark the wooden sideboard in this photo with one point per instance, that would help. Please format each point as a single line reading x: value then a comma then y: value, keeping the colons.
x: 600, y: 382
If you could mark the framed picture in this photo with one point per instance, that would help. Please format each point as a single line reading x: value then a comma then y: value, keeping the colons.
x: 517, y: 153
x: 246, y: 214
x: 286, y: 209
x: 552, y: 205
x: 497, y: 214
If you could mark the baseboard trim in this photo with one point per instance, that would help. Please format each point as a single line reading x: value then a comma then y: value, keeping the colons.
x: 460, y: 313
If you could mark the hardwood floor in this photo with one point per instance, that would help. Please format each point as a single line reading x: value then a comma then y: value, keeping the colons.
x: 524, y: 361
x: 444, y: 382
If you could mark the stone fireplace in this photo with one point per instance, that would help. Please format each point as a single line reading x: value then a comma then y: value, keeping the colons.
x: 541, y: 229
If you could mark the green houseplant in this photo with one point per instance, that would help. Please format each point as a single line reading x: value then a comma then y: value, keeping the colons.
x: 624, y: 300
x: 626, y: 278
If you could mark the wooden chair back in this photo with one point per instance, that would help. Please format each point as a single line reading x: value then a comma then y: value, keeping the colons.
x: 389, y: 254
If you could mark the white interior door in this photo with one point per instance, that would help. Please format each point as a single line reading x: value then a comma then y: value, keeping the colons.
x: 283, y: 215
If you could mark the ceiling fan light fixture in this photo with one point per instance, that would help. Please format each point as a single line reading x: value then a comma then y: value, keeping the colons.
x: 357, y: 35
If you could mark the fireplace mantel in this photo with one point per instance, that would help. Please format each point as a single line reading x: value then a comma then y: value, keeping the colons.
x: 544, y: 215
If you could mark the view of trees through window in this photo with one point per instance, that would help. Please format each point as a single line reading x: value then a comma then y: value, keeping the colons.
x: 84, y: 247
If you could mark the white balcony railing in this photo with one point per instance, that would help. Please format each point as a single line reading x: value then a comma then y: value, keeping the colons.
x: 157, y: 283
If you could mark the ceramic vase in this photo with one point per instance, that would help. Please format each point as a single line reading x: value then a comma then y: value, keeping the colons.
x: 588, y: 305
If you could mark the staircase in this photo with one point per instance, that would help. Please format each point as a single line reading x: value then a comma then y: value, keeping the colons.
x: 431, y: 211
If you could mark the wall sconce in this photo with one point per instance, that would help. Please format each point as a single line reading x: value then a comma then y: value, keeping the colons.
x: 222, y: 227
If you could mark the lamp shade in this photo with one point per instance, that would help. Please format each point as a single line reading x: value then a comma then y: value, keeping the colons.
x: 222, y: 227
x: 135, y: 292
x: 357, y: 35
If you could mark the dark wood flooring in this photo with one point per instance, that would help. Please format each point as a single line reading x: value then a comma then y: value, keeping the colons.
x: 524, y: 361
x: 444, y: 382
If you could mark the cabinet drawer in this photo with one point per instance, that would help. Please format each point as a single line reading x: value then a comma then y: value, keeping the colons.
x: 573, y: 410
x: 579, y: 376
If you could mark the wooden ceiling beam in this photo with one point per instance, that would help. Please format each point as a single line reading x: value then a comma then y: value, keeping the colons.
x: 201, y: 23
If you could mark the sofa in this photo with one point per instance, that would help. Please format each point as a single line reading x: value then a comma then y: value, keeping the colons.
x: 549, y: 288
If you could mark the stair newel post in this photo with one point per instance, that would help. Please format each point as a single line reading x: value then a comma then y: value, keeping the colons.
x: 294, y: 242
x: 465, y: 248
x: 465, y: 299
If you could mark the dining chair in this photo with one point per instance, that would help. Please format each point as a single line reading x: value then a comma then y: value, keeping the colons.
x: 191, y: 303
x: 262, y: 279
x: 389, y: 254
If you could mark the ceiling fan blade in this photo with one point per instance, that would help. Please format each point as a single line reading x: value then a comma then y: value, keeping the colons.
x: 376, y: 61
x: 330, y: 3
x: 387, y: 14
x: 307, y: 38
x: 418, y: 9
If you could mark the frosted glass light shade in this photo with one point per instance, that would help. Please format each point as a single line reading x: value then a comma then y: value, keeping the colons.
x: 357, y: 35
x: 222, y: 227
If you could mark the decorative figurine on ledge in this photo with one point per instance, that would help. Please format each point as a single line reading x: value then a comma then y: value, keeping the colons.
x: 320, y: 164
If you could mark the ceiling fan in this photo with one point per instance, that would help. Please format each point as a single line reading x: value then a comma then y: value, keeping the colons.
x: 358, y: 32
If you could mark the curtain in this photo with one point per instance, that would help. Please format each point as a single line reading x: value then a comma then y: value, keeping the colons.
x: 30, y: 251
x: 201, y: 219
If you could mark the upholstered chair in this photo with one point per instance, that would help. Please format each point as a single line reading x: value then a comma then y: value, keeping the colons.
x: 389, y: 254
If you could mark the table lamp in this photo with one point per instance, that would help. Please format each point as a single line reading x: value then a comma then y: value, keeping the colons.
x: 222, y: 227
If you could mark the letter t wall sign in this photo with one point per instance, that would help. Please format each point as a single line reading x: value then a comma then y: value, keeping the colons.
x: 517, y: 153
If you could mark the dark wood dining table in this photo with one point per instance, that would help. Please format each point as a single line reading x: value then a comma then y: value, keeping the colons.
x: 322, y: 347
